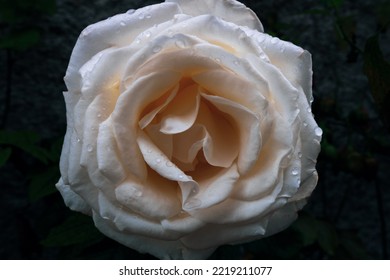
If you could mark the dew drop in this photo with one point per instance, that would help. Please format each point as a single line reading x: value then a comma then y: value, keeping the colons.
x: 217, y: 60
x: 236, y: 62
x: 318, y: 131
x: 169, y: 163
x: 148, y: 16
x: 156, y: 49
x: 274, y: 40
x: 99, y: 116
x: 89, y: 148
x: 181, y: 176
x: 193, y: 203
x: 122, y: 23
x: 147, y: 34
x: 295, y: 171
x: 300, y: 155
x: 141, y: 16
x: 305, y: 124
x: 131, y: 11
x: 158, y: 160
x: 309, y: 109
x: 138, y: 40
x: 78, y: 140
x: 180, y: 44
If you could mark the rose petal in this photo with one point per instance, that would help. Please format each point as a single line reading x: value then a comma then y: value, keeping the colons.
x: 248, y: 125
x: 163, y: 166
x: 202, y: 239
x: 164, y: 142
x: 155, y: 198
x: 111, y: 32
x: 162, y: 249
x: 181, y: 112
x: 183, y: 223
x: 294, y: 62
x: 215, y: 186
x: 231, y: 10
x: 125, y: 117
x: 72, y: 199
x: 132, y: 223
x: 221, y: 143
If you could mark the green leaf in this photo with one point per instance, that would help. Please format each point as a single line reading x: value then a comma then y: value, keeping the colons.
x: 327, y: 237
x: 77, y: 229
x: 26, y: 141
x: 4, y: 155
x: 377, y: 70
x: 21, y: 40
x: 43, y: 184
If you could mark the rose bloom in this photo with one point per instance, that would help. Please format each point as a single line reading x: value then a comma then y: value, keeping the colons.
x: 188, y: 127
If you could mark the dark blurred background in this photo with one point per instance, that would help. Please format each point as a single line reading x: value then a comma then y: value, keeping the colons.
x: 346, y: 218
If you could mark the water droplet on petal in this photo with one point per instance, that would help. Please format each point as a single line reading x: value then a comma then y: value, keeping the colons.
x: 309, y: 109
x: 131, y: 11
x: 274, y: 40
x: 300, y: 155
x: 193, y: 203
x: 158, y: 160
x: 181, y: 176
x: 236, y: 62
x: 89, y: 148
x: 141, y: 16
x: 122, y: 23
x: 147, y: 34
x: 318, y: 131
x: 99, y: 116
x: 295, y: 171
x: 180, y: 44
x: 169, y: 163
x: 156, y: 49
x: 217, y: 60
x: 78, y: 140
x: 305, y: 124
x: 138, y: 40
x: 148, y: 16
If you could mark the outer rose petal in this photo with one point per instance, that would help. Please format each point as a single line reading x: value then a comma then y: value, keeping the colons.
x: 229, y: 10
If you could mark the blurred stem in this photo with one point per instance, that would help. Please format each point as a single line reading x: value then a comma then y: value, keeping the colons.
x: 381, y: 219
x: 8, y: 87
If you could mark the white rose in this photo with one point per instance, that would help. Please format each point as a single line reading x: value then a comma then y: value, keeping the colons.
x: 188, y: 128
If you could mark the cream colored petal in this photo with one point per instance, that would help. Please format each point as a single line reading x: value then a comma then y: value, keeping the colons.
x: 265, y: 175
x: 221, y: 144
x: 127, y: 112
x: 72, y: 199
x: 181, y: 112
x: 248, y: 125
x: 230, y: 10
x: 162, y: 249
x: 216, y: 235
x: 166, y: 168
x: 107, y: 153
x: 188, y: 144
x: 148, y: 118
x: 119, y: 30
x: 236, y: 211
x: 294, y: 62
x: 215, y: 185
x: 132, y: 223
x: 233, y: 87
x: 283, y: 95
x: 182, y: 223
x: 164, y: 142
x: 155, y: 198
